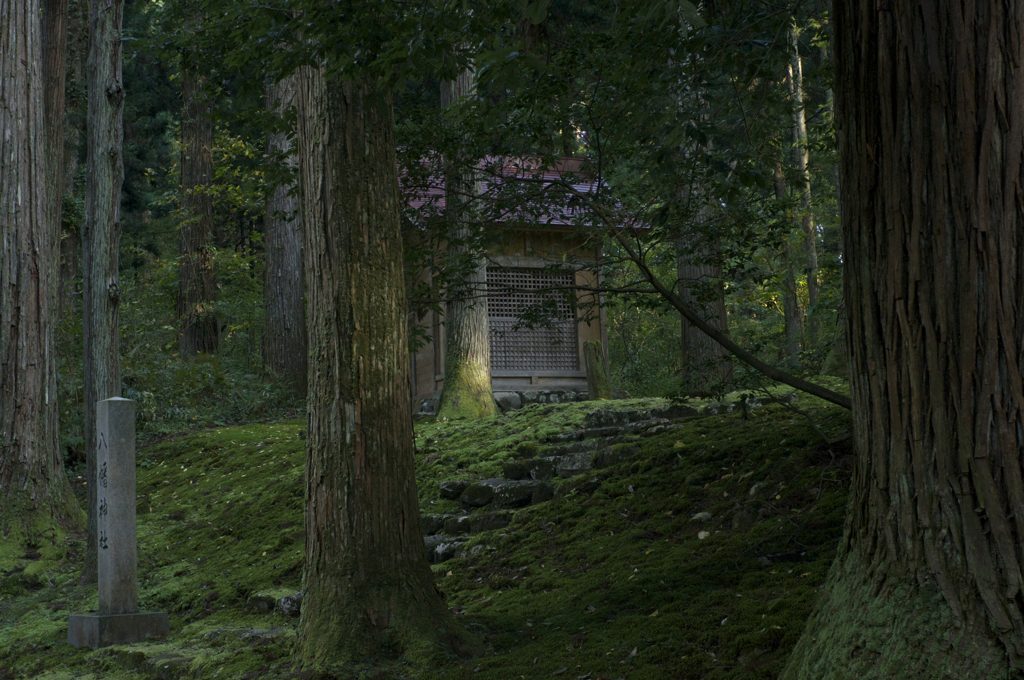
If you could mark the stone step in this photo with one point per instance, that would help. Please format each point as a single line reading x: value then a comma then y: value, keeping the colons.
x: 503, y: 493
x: 460, y: 524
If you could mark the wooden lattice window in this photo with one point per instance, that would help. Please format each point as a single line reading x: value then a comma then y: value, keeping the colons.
x: 550, y: 348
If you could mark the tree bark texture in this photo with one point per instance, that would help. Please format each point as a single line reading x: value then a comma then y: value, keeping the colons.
x: 35, y: 496
x: 928, y: 581
x: 196, y: 288
x: 599, y: 387
x: 705, y: 365
x: 368, y: 589
x: 101, y: 234
x: 796, y: 97
x: 791, y: 312
x: 55, y: 39
x: 466, y: 392
x: 284, y: 339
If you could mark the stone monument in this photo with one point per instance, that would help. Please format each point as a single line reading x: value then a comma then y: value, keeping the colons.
x: 119, y: 620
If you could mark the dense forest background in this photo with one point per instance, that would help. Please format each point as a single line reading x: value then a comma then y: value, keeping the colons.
x: 725, y: 156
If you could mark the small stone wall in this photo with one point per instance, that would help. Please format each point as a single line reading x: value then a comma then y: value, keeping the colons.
x: 512, y: 400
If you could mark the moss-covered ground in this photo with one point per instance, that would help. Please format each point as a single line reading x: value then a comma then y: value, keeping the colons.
x: 615, y: 578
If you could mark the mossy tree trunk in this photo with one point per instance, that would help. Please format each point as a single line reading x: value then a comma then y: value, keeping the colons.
x: 929, y: 579
x: 368, y: 589
x: 36, y: 501
x: 196, y: 290
x: 101, y: 234
x: 467, y: 352
x: 284, y: 341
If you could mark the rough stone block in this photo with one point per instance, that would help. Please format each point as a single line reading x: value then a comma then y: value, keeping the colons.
x: 456, y: 526
x: 478, y: 495
x: 612, y: 456
x: 489, y: 521
x: 432, y: 524
x: 451, y: 490
x: 575, y: 464
x: 103, y: 630
x: 508, y: 401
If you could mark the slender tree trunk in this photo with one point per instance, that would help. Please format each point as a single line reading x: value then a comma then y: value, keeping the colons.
x: 796, y: 96
x: 791, y: 312
x: 368, y: 590
x: 467, y: 355
x: 929, y: 578
x: 196, y: 292
x: 101, y: 234
x: 284, y: 341
x: 34, y: 492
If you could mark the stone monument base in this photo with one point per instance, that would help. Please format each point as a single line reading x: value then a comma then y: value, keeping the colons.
x: 102, y: 630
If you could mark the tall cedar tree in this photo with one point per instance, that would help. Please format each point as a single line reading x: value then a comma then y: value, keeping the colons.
x: 368, y: 589
x: 467, y: 356
x: 929, y: 577
x: 101, y: 234
x: 35, y: 496
x: 196, y: 290
x: 284, y: 342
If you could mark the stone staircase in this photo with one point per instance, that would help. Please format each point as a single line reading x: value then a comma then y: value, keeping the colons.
x: 609, y: 437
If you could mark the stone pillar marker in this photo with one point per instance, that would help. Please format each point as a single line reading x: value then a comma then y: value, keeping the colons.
x: 119, y: 620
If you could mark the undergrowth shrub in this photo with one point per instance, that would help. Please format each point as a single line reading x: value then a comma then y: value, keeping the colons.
x: 173, y: 393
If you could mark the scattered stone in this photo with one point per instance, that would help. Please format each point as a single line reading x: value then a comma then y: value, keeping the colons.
x: 441, y: 548
x: 574, y: 436
x: 433, y: 524
x: 455, y: 526
x: 575, y: 464
x: 613, y: 455
x: 718, y: 408
x: 453, y: 489
x: 701, y: 517
x: 533, y: 468
x: 290, y: 605
x: 508, y: 401
x: 702, y: 535
x: 479, y: 494
x: 519, y: 494
x: 642, y: 425
x: 581, y: 486
x: 756, y: 488
x: 489, y: 521
x: 261, y: 604
x: 658, y: 429
x: 674, y: 412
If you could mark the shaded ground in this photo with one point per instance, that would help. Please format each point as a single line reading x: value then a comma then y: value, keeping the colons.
x: 620, y: 576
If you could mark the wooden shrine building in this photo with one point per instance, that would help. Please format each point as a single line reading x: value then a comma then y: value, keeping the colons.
x: 543, y: 358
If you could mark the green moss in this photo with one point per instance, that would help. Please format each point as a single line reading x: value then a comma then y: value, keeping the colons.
x: 578, y: 582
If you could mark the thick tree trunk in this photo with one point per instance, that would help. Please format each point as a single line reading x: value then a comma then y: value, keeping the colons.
x: 35, y: 496
x: 467, y: 353
x: 196, y: 291
x: 55, y: 38
x: 706, y: 368
x: 101, y: 234
x: 368, y: 590
x: 796, y: 96
x: 284, y: 340
x: 928, y: 582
